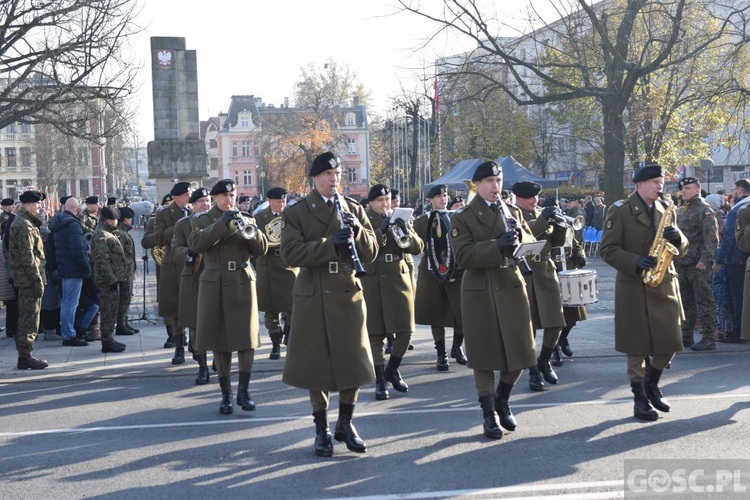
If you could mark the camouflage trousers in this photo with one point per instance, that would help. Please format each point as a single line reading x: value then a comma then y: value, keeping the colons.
x: 109, y: 307
x: 29, y: 307
x: 126, y: 295
x: 696, y: 291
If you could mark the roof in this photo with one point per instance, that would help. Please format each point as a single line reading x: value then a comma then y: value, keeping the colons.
x: 512, y: 172
x: 239, y: 104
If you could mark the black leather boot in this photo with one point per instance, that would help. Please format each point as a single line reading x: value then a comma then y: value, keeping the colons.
x: 287, y: 327
x: 381, y: 388
x: 491, y: 428
x: 323, y: 444
x: 131, y: 327
x: 393, y: 376
x: 225, y: 408
x: 544, y: 366
x: 687, y: 338
x: 243, y: 395
x: 179, y: 350
x: 502, y: 406
x: 122, y: 328
x: 275, y: 345
x: 457, y: 350
x: 563, y: 342
x: 345, y: 431
x: 556, y: 357
x: 442, y: 360
x: 653, y: 392
x: 203, y: 377
x: 642, y: 409
x: 535, y: 379
x: 170, y: 341
x: 388, y: 343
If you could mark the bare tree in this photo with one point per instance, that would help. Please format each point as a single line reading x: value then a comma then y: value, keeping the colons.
x: 62, y: 63
x: 595, y: 50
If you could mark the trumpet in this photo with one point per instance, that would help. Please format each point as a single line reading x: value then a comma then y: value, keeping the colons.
x: 242, y: 224
x: 576, y: 223
x: 403, y: 240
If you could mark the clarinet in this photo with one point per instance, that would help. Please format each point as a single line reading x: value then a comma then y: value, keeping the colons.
x: 359, y: 269
x: 511, y: 224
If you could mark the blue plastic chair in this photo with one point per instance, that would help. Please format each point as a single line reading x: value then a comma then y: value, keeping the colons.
x: 589, y: 232
x: 595, y: 241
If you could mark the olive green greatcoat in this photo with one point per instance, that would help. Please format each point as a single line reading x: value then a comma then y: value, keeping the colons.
x: 647, y: 319
x: 542, y: 285
x: 494, y: 303
x: 275, y: 278
x: 169, y: 274
x: 190, y: 273
x: 329, y: 349
x: 742, y: 237
x: 388, y: 286
x: 436, y: 303
x: 227, y: 300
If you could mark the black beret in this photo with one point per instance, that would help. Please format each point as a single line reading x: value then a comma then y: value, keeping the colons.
x: 685, y: 181
x: 486, y: 169
x: 223, y: 186
x: 243, y: 199
x: 126, y: 213
x: 437, y: 190
x: 166, y: 199
x: 526, y: 189
x: 378, y: 190
x: 276, y: 193
x: 109, y: 214
x: 648, y: 172
x: 31, y: 197
x: 198, y: 194
x: 323, y: 162
x: 7, y: 202
x: 111, y: 200
x: 180, y: 188
x: 454, y: 200
x: 92, y: 200
x: 394, y: 193
x: 505, y: 194
x: 64, y: 199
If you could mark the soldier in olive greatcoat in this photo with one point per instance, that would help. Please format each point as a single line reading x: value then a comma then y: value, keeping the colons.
x: 742, y: 235
x: 494, y: 301
x: 389, y: 291
x: 169, y: 276
x: 227, y: 298
x: 110, y: 275
x: 190, y: 277
x: 26, y: 261
x: 149, y: 242
x: 328, y: 346
x: 275, y: 277
x: 647, y: 318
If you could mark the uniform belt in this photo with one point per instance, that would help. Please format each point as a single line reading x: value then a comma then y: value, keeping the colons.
x: 333, y: 268
x: 232, y: 265
x: 390, y: 257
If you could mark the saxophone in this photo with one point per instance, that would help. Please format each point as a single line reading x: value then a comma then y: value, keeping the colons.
x: 662, y: 250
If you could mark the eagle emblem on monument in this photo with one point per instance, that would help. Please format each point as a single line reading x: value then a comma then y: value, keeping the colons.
x: 164, y: 57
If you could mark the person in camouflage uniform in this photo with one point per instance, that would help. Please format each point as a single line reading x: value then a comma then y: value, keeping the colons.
x: 11, y: 303
x: 110, y: 276
x: 697, y: 222
x: 124, y: 226
x: 27, y: 260
x: 88, y: 217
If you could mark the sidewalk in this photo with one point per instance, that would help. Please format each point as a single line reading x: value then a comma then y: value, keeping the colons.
x: 145, y: 355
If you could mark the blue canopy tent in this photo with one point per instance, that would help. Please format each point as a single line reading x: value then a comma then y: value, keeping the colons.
x: 512, y: 172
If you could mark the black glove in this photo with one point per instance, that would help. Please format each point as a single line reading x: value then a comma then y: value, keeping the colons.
x: 342, y: 236
x: 113, y: 287
x: 549, y: 213
x: 229, y: 215
x: 506, y: 240
x: 189, y: 256
x: 672, y: 235
x: 580, y: 261
x: 402, y: 224
x: 352, y: 222
x: 646, y: 262
x: 385, y: 225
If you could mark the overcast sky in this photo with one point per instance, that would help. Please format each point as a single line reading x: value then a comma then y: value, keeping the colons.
x: 258, y: 47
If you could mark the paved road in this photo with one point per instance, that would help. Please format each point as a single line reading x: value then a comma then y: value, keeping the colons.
x: 133, y: 426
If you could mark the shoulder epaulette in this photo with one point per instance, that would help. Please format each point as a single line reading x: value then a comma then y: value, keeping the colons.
x: 619, y: 203
x: 352, y: 200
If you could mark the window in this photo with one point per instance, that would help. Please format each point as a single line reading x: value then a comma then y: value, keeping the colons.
x: 234, y: 149
x: 83, y: 188
x: 247, y: 176
x: 25, y: 157
x: 214, y: 162
x: 244, y: 122
x: 351, y: 145
x: 212, y: 143
x: 83, y: 156
x: 352, y: 173
x: 256, y: 151
x: 10, y: 154
x: 236, y: 176
x: 245, y: 149
x: 350, y: 120
x: 26, y: 128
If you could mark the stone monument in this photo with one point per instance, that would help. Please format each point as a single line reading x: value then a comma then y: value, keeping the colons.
x: 177, y: 152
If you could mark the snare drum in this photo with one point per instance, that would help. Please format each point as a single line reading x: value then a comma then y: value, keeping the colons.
x: 578, y: 287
